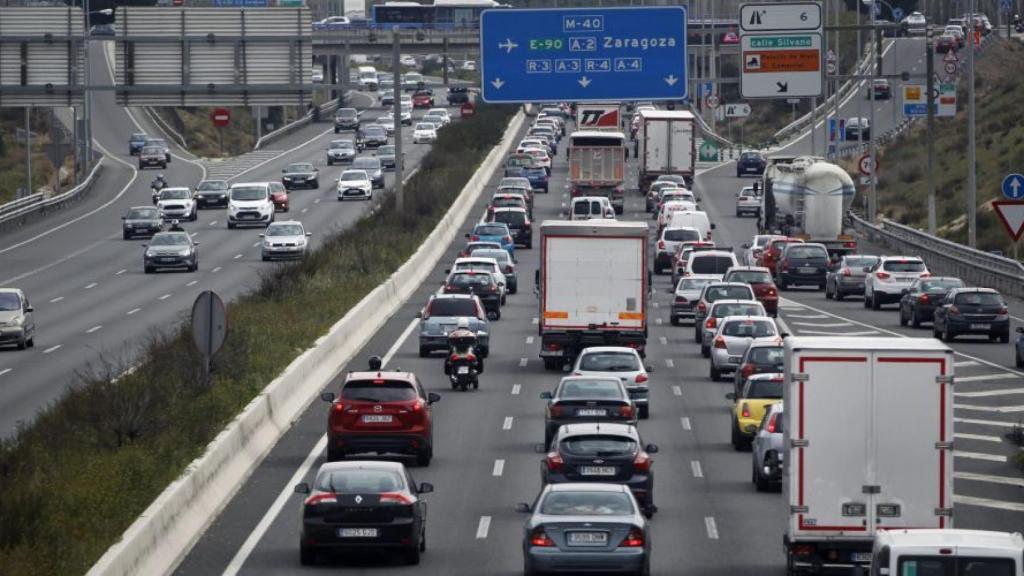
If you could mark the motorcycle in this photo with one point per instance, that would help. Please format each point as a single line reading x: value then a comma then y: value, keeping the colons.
x: 463, y: 364
x: 157, y: 186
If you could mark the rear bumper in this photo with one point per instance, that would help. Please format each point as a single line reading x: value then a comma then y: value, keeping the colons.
x: 567, y: 345
x: 377, y: 442
x: 618, y: 561
x: 994, y: 327
x: 798, y: 279
x: 399, y: 533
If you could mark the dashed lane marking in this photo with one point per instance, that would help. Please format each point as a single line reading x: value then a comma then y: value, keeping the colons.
x: 52, y: 349
x: 5, y: 371
x: 507, y: 424
x: 132, y: 311
x: 535, y: 320
x: 214, y: 223
x: 984, y: 422
x: 989, y: 393
x: 712, y: 528
x: 121, y: 271
x: 988, y: 503
x: 965, y: 363
x: 677, y: 390
x: 670, y: 363
x: 663, y: 340
x: 979, y: 437
x: 522, y: 362
x: 57, y: 299
x: 192, y: 283
x: 237, y: 256
x: 91, y: 286
x: 985, y: 377
x: 215, y: 270
x: 993, y: 409
x: 696, y: 469
x: 658, y: 321
x: 685, y: 421
x: 529, y: 340
x: 483, y: 528
x: 979, y: 456
x: 499, y: 467
x: 93, y: 329
x: 516, y: 388
x: 1007, y: 480
x: 165, y: 297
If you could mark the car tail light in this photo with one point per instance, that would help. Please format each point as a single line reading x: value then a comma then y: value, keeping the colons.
x: 540, y: 538
x: 922, y: 299
x: 508, y: 269
x: 507, y: 239
x: 720, y: 343
x: 849, y: 244
x: 338, y: 407
x: 327, y: 498
x: 635, y: 539
x: 711, y: 322
x: 556, y: 411
x: 626, y: 411
x: 701, y: 306
x: 474, y: 238
x: 770, y: 291
x: 1003, y: 312
x: 640, y: 378
x: 745, y: 410
x: 771, y: 423
x: 417, y: 406
x: 554, y: 461
x: 954, y: 311
x: 747, y: 370
x: 394, y: 498
x: 661, y: 244
x: 882, y: 275
x: 680, y: 300
x: 642, y: 462
x: 785, y: 264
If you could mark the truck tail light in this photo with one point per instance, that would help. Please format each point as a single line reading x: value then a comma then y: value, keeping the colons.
x: 508, y: 269
x: 711, y: 322
x: 507, y: 239
x: 851, y: 244
x: 642, y: 462
x: 641, y: 378
x: 720, y: 343
x: 554, y: 461
x: 552, y: 347
x: 635, y: 539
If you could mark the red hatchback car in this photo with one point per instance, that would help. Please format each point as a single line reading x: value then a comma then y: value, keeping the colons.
x: 760, y: 280
x: 423, y: 99
x: 771, y: 254
x: 279, y: 196
x: 382, y: 413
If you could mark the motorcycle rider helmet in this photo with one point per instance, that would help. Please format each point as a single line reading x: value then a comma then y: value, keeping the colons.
x: 375, y: 363
x: 462, y: 336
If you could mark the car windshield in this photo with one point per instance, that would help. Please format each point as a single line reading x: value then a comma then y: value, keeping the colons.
x: 736, y: 309
x: 711, y: 264
x: 347, y: 113
x: 138, y: 137
x: 903, y: 266
x: 766, y: 355
x: 175, y: 194
x: 152, y: 150
x: 682, y: 234
x: 360, y: 481
x: 158, y: 142
x: 342, y: 145
x: 911, y: 565
x: 860, y: 261
x: 378, y: 391
x: 572, y: 389
x: 452, y: 307
x: 142, y: 214
x: 513, y: 217
x: 586, y: 504
x: 291, y: 168
x: 433, y: 118
x: 206, y: 185
x: 751, y: 276
x: 979, y: 299
x: 750, y: 156
x: 693, y: 283
x: 424, y: 126
x: 603, y: 445
x: 9, y: 301
x: 367, y: 163
x: 388, y: 150
x: 764, y: 388
x: 470, y: 280
x: 806, y: 252
x: 353, y: 175
x: 485, y: 230
x: 609, y: 362
x: 728, y: 293
x: 500, y: 255
x: 285, y: 230
x: 169, y: 240
x: 375, y: 130
x: 249, y: 193
x: 941, y: 284
x: 749, y: 328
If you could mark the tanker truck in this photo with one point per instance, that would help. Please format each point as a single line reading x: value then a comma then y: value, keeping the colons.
x: 806, y: 197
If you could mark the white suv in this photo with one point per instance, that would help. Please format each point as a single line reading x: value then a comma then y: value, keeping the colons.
x: 250, y: 203
x: 886, y: 280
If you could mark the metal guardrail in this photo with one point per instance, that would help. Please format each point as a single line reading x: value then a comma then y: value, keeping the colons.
x: 13, y: 218
x: 948, y: 258
x: 325, y: 108
x: 19, y: 204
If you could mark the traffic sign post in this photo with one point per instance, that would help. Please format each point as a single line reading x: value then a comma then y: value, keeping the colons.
x: 737, y: 110
x: 915, y: 100
x: 1013, y: 187
x: 220, y: 118
x: 781, y: 50
x: 583, y: 55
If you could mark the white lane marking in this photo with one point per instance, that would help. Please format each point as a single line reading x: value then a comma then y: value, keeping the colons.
x: 483, y: 527
x: 5, y: 371
x: 989, y: 393
x: 192, y: 283
x: 52, y: 349
x: 133, y: 311
x: 93, y: 329
x: 988, y: 503
x: 984, y: 377
x: 288, y: 491
x: 658, y: 321
x: 237, y: 256
x: 281, y: 155
x: 91, y: 286
x: 655, y: 304
x: 984, y: 422
x: 304, y: 210
x: 214, y: 223
x: 499, y: 467
x: 529, y: 339
x: 979, y: 437
x: 121, y: 271
x: 670, y: 363
x: 712, y: 528
x: 965, y: 363
x: 507, y: 424
x: 695, y: 468
x: 1008, y: 480
x: 535, y: 320
x: 824, y: 333
x: 57, y: 299
x: 256, y: 245
x: 685, y: 421
x: 164, y: 297
x: 663, y: 340
x: 979, y: 456
x: 822, y: 324
x: 677, y: 390
x: 522, y: 362
x: 807, y: 316
x: 317, y: 201
x: 993, y: 409
x: 215, y: 270
x: 516, y: 388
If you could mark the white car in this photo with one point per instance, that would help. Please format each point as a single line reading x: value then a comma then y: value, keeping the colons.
x: 355, y: 184
x: 721, y: 309
x: 747, y: 202
x: 734, y: 335
x: 889, y: 277
x: 317, y: 76
x: 177, y: 204
x: 408, y: 60
x: 443, y: 112
x: 668, y: 242
x: 686, y: 295
x: 667, y: 208
x: 715, y: 262
x: 617, y: 362
x: 250, y: 203
x: 423, y: 133
x: 436, y: 119
x: 480, y: 264
x: 753, y: 249
x: 469, y: 65
x: 284, y: 240
x: 388, y: 122
x: 406, y: 114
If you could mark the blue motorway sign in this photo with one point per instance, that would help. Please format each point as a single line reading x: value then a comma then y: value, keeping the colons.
x: 583, y: 54
x: 1013, y: 186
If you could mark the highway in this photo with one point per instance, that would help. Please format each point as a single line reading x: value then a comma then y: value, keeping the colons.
x: 710, y: 520
x: 87, y: 285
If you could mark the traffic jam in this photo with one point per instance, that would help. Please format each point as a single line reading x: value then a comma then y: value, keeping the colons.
x: 597, y: 215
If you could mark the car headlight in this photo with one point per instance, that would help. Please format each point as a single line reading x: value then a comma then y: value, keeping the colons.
x: 232, y: 208
x: 185, y: 252
x: 149, y: 254
x: 481, y: 333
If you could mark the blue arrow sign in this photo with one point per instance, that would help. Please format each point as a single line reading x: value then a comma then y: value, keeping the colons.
x: 584, y: 54
x: 1013, y: 186
x: 897, y: 14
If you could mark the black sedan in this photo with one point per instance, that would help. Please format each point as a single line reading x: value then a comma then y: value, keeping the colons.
x: 481, y: 284
x: 363, y: 506
x: 212, y: 193
x: 586, y: 399
x: 141, y: 221
x: 602, y: 453
x: 972, y: 311
x: 372, y: 136
x: 300, y: 175
x: 750, y: 163
x: 918, y: 302
x: 171, y: 250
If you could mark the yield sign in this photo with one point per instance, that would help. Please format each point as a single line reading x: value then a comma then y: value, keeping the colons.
x: 1011, y: 213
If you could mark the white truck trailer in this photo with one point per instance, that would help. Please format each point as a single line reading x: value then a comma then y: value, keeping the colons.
x: 597, y: 165
x: 666, y: 144
x: 868, y: 445
x: 594, y: 285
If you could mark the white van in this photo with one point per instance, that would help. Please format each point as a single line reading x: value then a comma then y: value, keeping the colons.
x: 947, y: 552
x: 591, y: 208
x: 368, y: 78
x: 692, y: 219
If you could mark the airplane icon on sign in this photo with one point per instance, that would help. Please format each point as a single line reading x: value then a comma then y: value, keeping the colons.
x: 508, y: 46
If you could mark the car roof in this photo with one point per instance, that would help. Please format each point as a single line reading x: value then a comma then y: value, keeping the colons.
x: 476, y: 260
x: 479, y: 224
x: 747, y: 269
x: 171, y: 188
x: 151, y: 207
x: 703, y: 253
x: 284, y: 222
x: 733, y: 301
x: 453, y: 297
x: 757, y: 317
x: 589, y: 428
x: 583, y: 378
x: 240, y: 184
x: 910, y: 258
x: 595, y: 349
x: 970, y: 541
x: 362, y: 465
x: 380, y: 375
x: 10, y: 291
x: 508, y: 209
x: 586, y: 487
x: 974, y: 290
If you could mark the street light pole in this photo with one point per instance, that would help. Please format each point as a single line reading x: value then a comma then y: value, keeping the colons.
x: 972, y: 184
x: 930, y: 71
x: 396, y: 70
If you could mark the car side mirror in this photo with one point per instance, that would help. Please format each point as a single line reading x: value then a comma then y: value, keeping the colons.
x: 282, y: 170
x: 327, y: 396
x: 904, y: 292
x: 124, y: 217
x: 426, y: 488
x: 195, y: 243
x: 308, y: 234
x: 747, y: 245
x: 540, y: 448
x: 262, y: 235
x: 546, y: 396
x: 467, y: 234
x: 731, y: 396
x: 433, y: 397
x: 145, y: 245
x: 651, y: 448
x: 447, y: 270
x: 713, y: 227
x: 419, y: 314
x: 649, y: 369
x: 523, y: 507
x: 302, y: 488
x: 32, y: 309
x: 866, y: 269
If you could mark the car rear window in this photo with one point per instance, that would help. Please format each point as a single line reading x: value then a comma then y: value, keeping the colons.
x: 807, y: 252
x: 728, y: 293
x: 142, y: 214
x: 590, y: 389
x: 470, y: 280
x: 979, y: 299
x: 750, y: 276
x: 723, y: 310
x: 360, y: 481
x: 609, y: 362
x: 500, y: 255
x: 749, y: 328
x: 452, y: 307
x: 764, y: 388
x: 604, y: 445
x: 586, y: 504
x: 476, y: 266
x: 382, y: 390
x: 711, y: 264
x: 766, y: 355
x: 490, y: 231
x: 586, y: 207
x: 510, y: 217
x: 682, y: 234
x: 693, y: 283
x: 941, y: 284
x: 779, y: 244
x: 860, y: 261
x: 903, y: 266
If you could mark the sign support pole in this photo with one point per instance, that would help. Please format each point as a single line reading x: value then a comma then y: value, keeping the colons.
x: 972, y: 190
x: 873, y: 195
x: 396, y: 57
x: 28, y: 151
x: 930, y: 72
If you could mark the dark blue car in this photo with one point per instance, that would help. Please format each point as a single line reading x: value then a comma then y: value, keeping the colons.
x: 497, y: 232
x: 522, y: 165
x: 136, y: 142
x: 972, y: 311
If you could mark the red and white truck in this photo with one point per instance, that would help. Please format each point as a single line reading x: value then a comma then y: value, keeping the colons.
x: 593, y: 284
x: 868, y: 445
x: 597, y: 165
x: 666, y: 144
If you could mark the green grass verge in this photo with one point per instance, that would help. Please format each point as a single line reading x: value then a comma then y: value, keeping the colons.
x: 79, y: 475
x: 12, y: 153
x: 902, y: 180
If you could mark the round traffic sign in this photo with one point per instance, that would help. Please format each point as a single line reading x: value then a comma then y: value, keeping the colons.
x: 950, y: 68
x: 1013, y: 186
x: 712, y: 101
x: 830, y: 67
x: 866, y: 165
x: 220, y: 117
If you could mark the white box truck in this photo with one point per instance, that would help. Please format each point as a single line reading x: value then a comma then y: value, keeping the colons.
x: 594, y: 285
x: 868, y: 445
x: 948, y: 553
x: 666, y: 144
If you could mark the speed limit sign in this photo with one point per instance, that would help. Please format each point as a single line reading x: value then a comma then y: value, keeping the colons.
x: 950, y: 68
x: 712, y: 101
x: 866, y: 165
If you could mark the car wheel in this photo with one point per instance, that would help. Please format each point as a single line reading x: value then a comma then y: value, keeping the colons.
x: 876, y: 304
x: 867, y: 301
x: 1020, y: 361
x: 529, y: 244
x: 715, y: 373
x: 644, y: 412
x: 838, y: 294
x: 553, y: 364
x: 828, y: 292
x: 334, y: 455
x: 485, y: 352
x: 316, y: 184
x: 914, y: 320
x: 31, y: 342
x: 737, y: 439
x: 424, y: 352
x: 696, y: 333
x: 673, y: 321
x: 22, y: 344
x: 903, y: 318
x: 265, y: 258
x: 307, y: 556
x: 760, y: 484
x: 947, y: 336
x: 148, y: 269
x: 423, y: 540
x: 423, y: 458
x: 782, y: 283
x: 231, y: 225
x: 705, y: 351
x: 329, y: 161
x: 126, y: 235
x: 527, y: 567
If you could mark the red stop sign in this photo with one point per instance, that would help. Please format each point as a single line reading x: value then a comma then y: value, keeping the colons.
x: 467, y: 109
x: 220, y: 117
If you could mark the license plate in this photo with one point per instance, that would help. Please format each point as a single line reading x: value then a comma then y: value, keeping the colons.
x: 357, y: 533
x: 167, y: 259
x: 808, y: 270
x: 591, y: 412
x: 980, y: 326
x: 463, y: 370
x: 377, y: 418
x: 860, y: 556
x: 588, y: 538
x: 597, y: 470
x: 734, y: 360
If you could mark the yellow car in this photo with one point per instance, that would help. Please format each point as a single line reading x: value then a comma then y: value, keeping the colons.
x: 759, y: 392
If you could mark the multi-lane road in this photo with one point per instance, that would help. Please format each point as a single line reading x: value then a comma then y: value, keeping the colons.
x: 711, y: 521
x: 87, y: 285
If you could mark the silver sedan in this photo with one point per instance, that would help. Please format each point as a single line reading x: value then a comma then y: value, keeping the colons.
x: 585, y: 528
x: 734, y: 335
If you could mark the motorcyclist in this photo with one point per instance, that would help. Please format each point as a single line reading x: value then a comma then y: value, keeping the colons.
x: 157, y: 185
x: 461, y: 343
x: 375, y: 363
x: 176, y: 226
